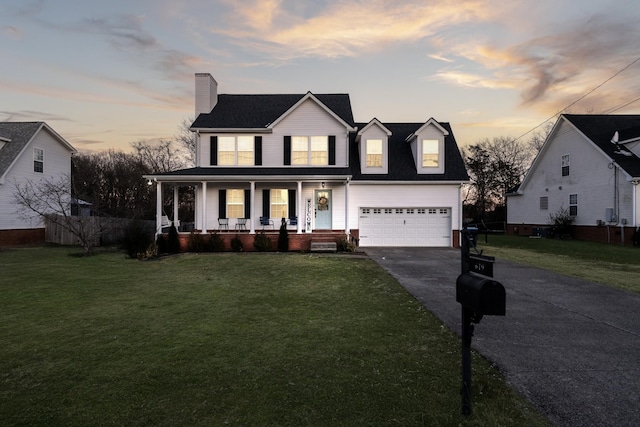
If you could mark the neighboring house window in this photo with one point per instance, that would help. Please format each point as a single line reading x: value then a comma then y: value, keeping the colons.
x: 374, y: 153
x: 544, y: 203
x: 235, y: 150
x: 279, y: 203
x: 309, y: 150
x: 235, y: 203
x: 573, y: 204
x: 429, y: 153
x: 38, y: 160
x: 565, y: 165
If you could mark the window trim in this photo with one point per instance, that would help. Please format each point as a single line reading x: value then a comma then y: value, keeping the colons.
x: 573, y: 204
x: 565, y: 165
x: 235, y: 202
x: 250, y: 154
x: 369, y: 144
x: 297, y: 158
x: 274, y: 202
x: 38, y: 159
x: 423, y: 153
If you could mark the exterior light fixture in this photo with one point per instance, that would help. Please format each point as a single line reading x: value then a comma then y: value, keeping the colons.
x: 322, y: 184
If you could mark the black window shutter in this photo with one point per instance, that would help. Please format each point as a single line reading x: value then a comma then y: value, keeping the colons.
x: 213, y: 155
x: 332, y: 149
x: 292, y: 203
x: 247, y: 203
x: 287, y: 150
x: 266, y: 203
x: 222, y: 203
x: 257, y: 150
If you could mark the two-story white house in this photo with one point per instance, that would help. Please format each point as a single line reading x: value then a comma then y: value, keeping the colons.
x: 589, y: 165
x: 302, y: 157
x: 29, y: 151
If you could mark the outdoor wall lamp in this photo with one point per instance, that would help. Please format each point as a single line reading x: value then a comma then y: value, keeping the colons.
x: 322, y: 184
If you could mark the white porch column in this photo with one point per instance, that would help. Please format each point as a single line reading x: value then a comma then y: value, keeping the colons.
x: 252, y: 229
x: 204, y: 207
x: 635, y: 187
x: 299, y: 208
x: 347, y: 229
x: 158, y: 207
x: 175, y: 206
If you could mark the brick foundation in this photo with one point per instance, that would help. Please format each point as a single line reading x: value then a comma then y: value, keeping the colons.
x: 600, y: 233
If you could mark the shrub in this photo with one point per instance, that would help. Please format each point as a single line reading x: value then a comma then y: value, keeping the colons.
x: 343, y: 245
x: 283, y: 237
x: 261, y: 242
x: 561, y: 222
x: 196, y: 243
x: 216, y: 244
x: 173, y: 242
x: 236, y: 244
x: 161, y: 244
x: 137, y: 239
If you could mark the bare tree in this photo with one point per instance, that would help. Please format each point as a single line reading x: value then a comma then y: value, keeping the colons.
x: 187, y: 140
x: 51, y: 199
x: 160, y: 157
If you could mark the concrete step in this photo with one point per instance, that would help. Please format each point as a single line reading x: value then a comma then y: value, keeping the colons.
x: 323, y: 247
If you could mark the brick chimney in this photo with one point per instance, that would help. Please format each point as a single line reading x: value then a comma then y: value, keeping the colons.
x: 206, y: 93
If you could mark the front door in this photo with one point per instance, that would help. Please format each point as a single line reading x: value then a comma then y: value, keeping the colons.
x: 323, y: 209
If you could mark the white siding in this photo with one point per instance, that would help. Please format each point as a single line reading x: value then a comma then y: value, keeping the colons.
x: 591, y: 177
x: 404, y: 196
x: 57, y: 161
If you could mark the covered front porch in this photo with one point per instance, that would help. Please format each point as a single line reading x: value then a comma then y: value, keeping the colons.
x: 233, y: 206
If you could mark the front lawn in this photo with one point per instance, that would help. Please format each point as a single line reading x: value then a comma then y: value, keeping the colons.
x: 608, y: 264
x: 237, y: 339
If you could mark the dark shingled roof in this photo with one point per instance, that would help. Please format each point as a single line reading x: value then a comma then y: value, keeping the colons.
x: 600, y: 128
x: 20, y: 133
x: 401, y: 163
x: 259, y: 111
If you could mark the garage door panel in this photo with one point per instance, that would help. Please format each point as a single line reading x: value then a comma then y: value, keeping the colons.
x: 405, y: 227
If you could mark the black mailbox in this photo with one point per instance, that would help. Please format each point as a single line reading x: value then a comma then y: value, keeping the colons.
x: 482, y: 295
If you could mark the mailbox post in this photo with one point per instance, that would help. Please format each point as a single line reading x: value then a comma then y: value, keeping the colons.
x: 479, y: 295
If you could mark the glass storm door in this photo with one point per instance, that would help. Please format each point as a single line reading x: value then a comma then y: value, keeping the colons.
x: 323, y: 209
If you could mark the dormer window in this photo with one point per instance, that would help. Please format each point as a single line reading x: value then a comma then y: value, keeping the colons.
x: 374, y: 153
x: 430, y: 154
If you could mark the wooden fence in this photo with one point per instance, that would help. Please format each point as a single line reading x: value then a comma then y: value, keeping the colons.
x: 103, y: 231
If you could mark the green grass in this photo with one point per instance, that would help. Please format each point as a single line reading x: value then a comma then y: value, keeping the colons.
x: 229, y: 339
x: 612, y: 265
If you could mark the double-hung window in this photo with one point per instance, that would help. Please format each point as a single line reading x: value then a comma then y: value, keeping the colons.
x: 573, y: 204
x: 307, y: 150
x: 235, y: 203
x: 234, y: 150
x: 279, y: 203
x: 38, y: 160
x: 430, y: 153
x: 565, y: 165
x: 374, y: 153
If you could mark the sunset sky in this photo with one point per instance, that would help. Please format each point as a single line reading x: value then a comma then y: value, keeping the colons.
x: 107, y: 73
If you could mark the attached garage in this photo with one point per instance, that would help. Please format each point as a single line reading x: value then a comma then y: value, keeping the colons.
x: 420, y: 227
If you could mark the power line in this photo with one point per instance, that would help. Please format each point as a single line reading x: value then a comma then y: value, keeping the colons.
x: 584, y: 96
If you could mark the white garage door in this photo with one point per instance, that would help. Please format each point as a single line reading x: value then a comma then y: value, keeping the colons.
x: 405, y: 227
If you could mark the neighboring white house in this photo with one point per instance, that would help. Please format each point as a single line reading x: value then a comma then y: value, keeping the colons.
x: 589, y: 165
x: 28, y: 151
x: 302, y: 157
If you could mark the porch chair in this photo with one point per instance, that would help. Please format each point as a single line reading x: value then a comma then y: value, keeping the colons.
x: 265, y: 222
x: 241, y: 224
x: 223, y: 223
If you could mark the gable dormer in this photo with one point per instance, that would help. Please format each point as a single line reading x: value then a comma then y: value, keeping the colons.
x: 427, y: 146
x: 373, y: 147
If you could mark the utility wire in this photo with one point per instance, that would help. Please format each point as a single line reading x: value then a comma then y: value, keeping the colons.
x: 584, y: 96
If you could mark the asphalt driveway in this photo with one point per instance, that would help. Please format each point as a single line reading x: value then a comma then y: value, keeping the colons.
x: 570, y: 346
